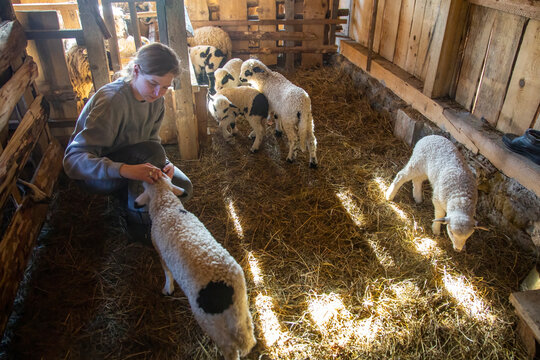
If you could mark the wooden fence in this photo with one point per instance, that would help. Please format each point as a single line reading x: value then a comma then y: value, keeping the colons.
x: 488, y: 51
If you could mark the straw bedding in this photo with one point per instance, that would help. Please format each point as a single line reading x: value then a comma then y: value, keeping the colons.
x: 333, y: 270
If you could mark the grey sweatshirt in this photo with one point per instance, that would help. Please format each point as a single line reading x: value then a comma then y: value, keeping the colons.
x: 111, y: 119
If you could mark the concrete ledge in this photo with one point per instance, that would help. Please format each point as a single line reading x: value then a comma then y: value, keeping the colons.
x: 449, y: 116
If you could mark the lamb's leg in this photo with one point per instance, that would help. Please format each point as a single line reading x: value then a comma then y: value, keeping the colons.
x: 279, y: 131
x: 168, y: 288
x: 292, y: 136
x: 256, y: 123
x: 439, y: 213
x: 401, y: 178
x: 224, y: 130
x: 312, y: 149
x: 417, y: 189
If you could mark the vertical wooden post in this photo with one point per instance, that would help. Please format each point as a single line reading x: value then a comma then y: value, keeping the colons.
x: 289, y: 15
x: 333, y: 15
x: 134, y: 24
x: 371, y: 34
x: 186, y: 123
x: 108, y: 16
x: 314, y: 9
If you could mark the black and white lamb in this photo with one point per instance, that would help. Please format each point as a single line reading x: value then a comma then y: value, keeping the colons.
x: 231, y: 103
x: 208, y: 275
x: 436, y: 159
x: 213, y: 36
x: 206, y: 60
x: 229, y: 75
x: 289, y: 103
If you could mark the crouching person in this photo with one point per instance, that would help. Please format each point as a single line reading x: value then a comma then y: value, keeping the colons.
x: 115, y: 145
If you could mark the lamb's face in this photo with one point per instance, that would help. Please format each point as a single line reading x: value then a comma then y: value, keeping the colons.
x: 224, y: 79
x: 459, y: 229
x: 253, y: 72
x: 223, y: 111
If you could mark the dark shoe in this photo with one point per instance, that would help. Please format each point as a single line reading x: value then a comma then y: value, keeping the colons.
x: 139, y: 233
x: 527, y: 145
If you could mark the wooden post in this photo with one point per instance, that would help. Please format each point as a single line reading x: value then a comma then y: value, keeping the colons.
x: 108, y: 16
x: 134, y: 25
x: 289, y: 15
x: 371, y: 34
x: 314, y: 9
x: 186, y: 123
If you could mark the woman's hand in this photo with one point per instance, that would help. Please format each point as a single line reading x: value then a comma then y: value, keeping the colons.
x: 168, y: 169
x: 142, y: 172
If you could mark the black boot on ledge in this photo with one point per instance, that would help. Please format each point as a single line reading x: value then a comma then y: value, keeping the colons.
x: 527, y: 145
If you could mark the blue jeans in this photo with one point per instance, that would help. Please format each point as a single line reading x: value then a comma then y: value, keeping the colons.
x: 128, y: 190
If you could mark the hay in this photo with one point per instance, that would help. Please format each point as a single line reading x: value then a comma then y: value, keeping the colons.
x: 334, y: 271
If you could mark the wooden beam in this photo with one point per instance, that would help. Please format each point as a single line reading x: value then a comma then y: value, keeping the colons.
x: 108, y: 16
x: 54, y: 34
x: 134, y: 25
x: 314, y: 10
x: 12, y: 43
x: 21, y: 234
x: 526, y: 8
x: 271, y: 35
x: 14, y: 88
x: 289, y: 15
x: 371, y: 37
x: 46, y: 6
x: 268, y: 22
x: 463, y: 126
x: 323, y: 49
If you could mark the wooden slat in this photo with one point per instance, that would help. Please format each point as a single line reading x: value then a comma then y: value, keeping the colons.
x: 12, y: 43
x: 314, y: 9
x: 523, y: 95
x: 498, y: 66
x: 414, y: 35
x: 12, y: 91
x: 22, y: 232
x: 526, y: 8
x: 267, y: 22
x: 334, y: 14
x: 46, y: 6
x: 108, y: 16
x: 527, y: 305
x: 322, y: 49
x: 404, y: 29
x: 18, y: 149
x: 271, y: 35
x: 389, y: 29
x: 475, y: 52
x: 267, y: 10
x: 235, y: 10
x: 424, y: 47
x: 289, y: 15
x: 197, y: 10
x: 360, y: 20
x: 378, y: 25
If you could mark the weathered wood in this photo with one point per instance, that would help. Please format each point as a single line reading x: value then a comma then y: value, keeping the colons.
x: 414, y: 35
x: 371, y: 39
x: 446, y: 40
x: 527, y: 305
x: 186, y: 123
x: 498, y: 66
x: 430, y: 22
x: 267, y: 22
x: 404, y: 28
x: 523, y: 96
x: 55, y: 34
x: 334, y: 14
x: 314, y: 9
x: 64, y: 6
x: 475, y: 53
x: 18, y: 149
x: 378, y: 24
x: 134, y: 25
x: 12, y: 91
x: 108, y: 16
x: 526, y: 8
x: 197, y: 10
x: 360, y: 20
x: 289, y: 15
x: 12, y: 42
x: 267, y: 10
x: 235, y: 11
x: 167, y: 131
x: 201, y: 113
x: 21, y: 234
x: 323, y: 49
x: 93, y: 38
x: 389, y: 29
x: 271, y: 35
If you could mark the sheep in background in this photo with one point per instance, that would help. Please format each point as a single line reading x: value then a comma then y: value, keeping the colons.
x: 79, y: 71
x: 290, y: 103
x: 231, y: 103
x: 229, y: 75
x: 436, y: 159
x: 213, y: 36
x: 208, y: 275
x: 206, y: 60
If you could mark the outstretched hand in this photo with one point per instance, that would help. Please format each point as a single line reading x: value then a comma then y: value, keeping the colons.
x: 142, y: 172
x: 168, y: 170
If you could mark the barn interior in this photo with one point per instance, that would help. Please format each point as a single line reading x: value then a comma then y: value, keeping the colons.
x: 333, y: 269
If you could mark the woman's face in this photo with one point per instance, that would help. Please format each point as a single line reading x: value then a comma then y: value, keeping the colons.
x: 149, y: 87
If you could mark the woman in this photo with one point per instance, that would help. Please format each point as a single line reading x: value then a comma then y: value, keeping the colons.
x: 116, y: 144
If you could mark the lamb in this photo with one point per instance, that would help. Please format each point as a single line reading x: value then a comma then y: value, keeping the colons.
x: 229, y: 75
x: 208, y: 275
x: 206, y: 59
x: 230, y: 103
x: 436, y: 159
x: 213, y: 36
x: 289, y: 103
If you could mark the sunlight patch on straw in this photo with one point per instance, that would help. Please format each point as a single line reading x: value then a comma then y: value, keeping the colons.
x: 235, y: 218
x: 255, y: 269
x: 382, y: 185
x: 427, y: 247
x: 271, y: 330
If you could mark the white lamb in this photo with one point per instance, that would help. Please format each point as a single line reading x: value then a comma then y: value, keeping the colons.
x: 231, y: 103
x: 229, y: 75
x: 289, y: 103
x: 213, y: 36
x: 436, y: 159
x: 209, y: 276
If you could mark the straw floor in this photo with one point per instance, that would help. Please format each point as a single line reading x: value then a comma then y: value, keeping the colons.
x: 333, y: 270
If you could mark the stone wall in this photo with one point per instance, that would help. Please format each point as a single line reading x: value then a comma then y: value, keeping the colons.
x: 507, y: 204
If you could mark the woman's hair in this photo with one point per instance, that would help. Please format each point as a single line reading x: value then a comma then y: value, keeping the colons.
x: 154, y: 59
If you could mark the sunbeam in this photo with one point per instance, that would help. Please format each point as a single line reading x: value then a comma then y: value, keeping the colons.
x: 235, y: 218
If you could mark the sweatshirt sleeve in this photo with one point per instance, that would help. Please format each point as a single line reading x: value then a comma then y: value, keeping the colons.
x: 84, y: 159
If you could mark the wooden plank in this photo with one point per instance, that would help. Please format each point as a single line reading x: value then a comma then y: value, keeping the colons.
x: 186, y: 123
x: 334, y: 14
x: 323, y: 49
x: 12, y: 43
x: 64, y: 6
x: 527, y: 305
x: 18, y: 149
x: 498, y: 66
x: 197, y: 10
x: 14, y: 88
x: 526, y: 8
x: 474, y: 55
x: 267, y: 10
x: 389, y: 29
x: 360, y: 21
x: 447, y: 39
x: 523, y: 95
x: 235, y: 10
x: 414, y: 35
x: 21, y: 234
x: 424, y: 46
x: 314, y: 9
x: 108, y: 16
x: 271, y: 35
x: 201, y: 113
x: 289, y: 15
x: 378, y: 25
x: 268, y: 22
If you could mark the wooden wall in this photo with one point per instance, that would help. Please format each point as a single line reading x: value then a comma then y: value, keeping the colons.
x: 485, y: 53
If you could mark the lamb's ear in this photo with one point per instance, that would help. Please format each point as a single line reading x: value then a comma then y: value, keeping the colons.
x: 476, y: 226
x: 142, y: 200
x: 177, y: 190
x: 258, y: 69
x: 443, y: 220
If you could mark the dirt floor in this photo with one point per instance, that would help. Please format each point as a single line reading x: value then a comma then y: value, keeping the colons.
x: 333, y: 270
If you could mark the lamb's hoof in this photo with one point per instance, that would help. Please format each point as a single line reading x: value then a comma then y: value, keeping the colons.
x: 167, y: 292
x: 312, y: 165
x: 290, y: 161
x: 278, y: 133
x: 254, y: 151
